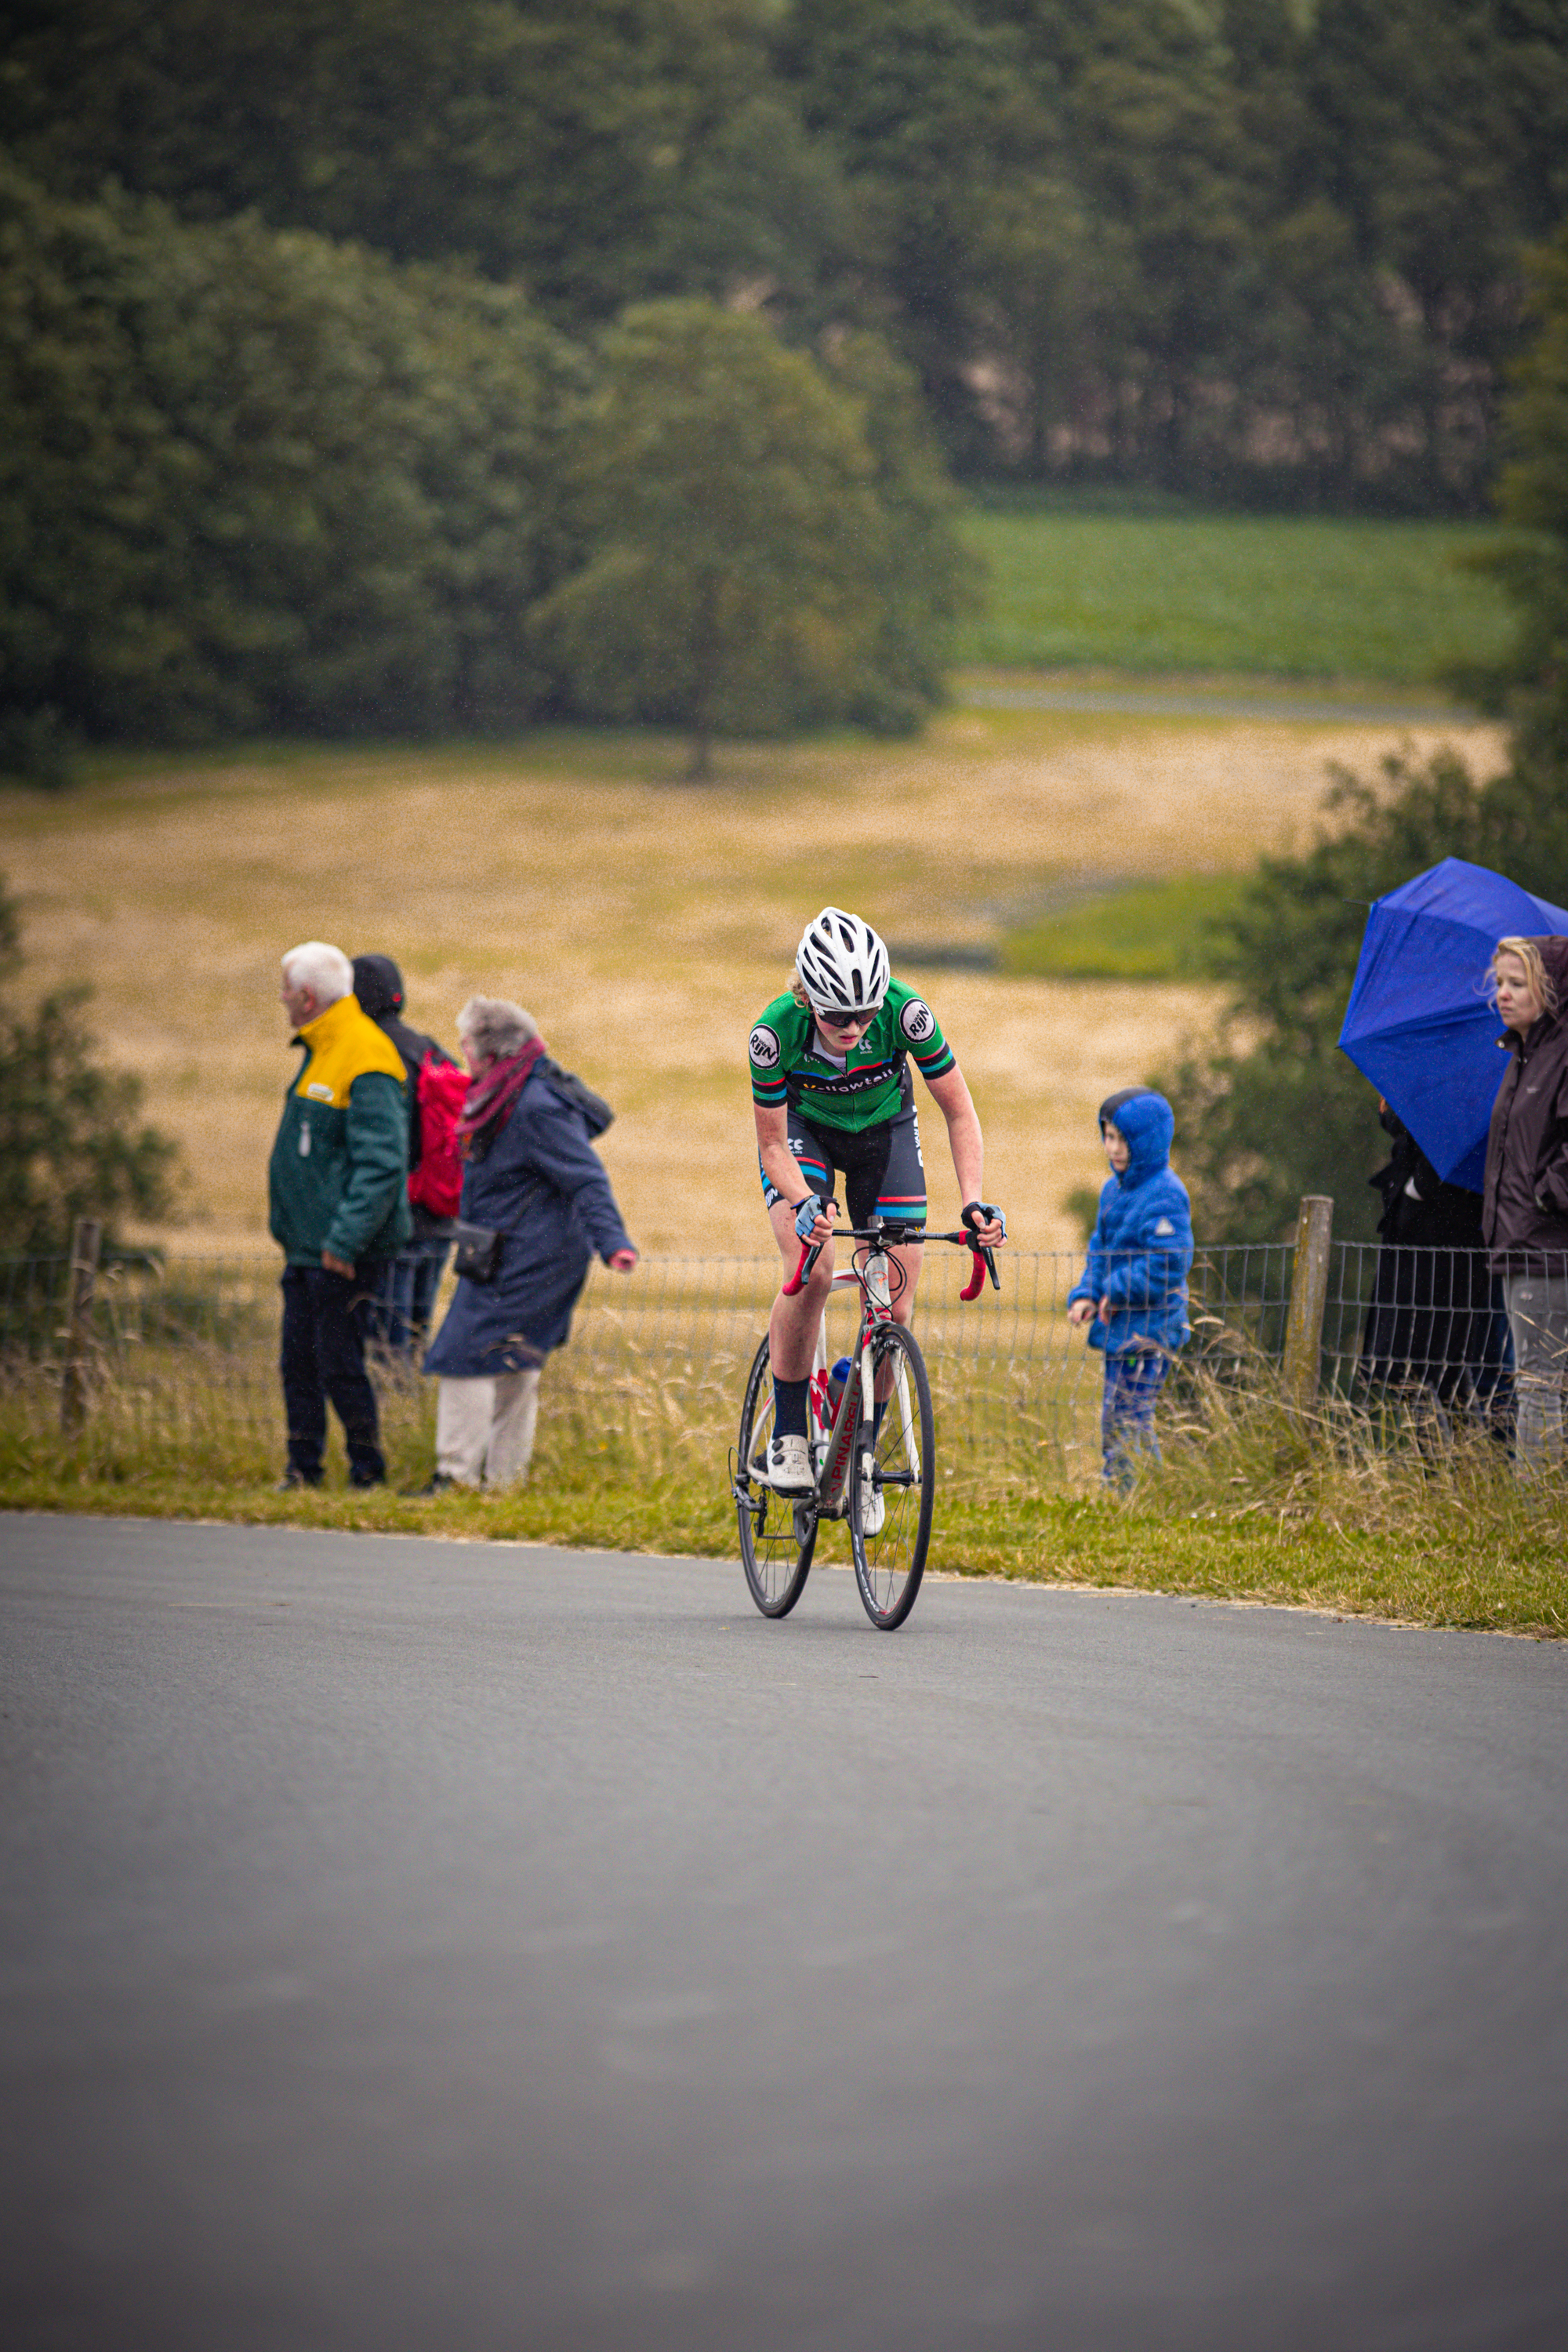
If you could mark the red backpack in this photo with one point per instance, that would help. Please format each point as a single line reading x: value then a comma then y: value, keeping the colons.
x: 437, y: 1183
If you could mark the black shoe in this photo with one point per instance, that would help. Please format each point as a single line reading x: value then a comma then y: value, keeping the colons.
x: 293, y: 1481
x: 377, y: 1479
x: 443, y: 1482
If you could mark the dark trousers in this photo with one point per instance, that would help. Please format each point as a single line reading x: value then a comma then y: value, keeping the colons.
x: 405, y: 1289
x: 325, y: 1317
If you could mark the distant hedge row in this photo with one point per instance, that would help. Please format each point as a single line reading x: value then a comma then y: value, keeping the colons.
x: 257, y: 481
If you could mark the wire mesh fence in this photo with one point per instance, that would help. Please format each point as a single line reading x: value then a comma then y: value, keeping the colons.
x: 181, y: 1355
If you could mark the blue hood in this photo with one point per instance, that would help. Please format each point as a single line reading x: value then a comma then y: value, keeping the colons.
x: 1148, y: 1123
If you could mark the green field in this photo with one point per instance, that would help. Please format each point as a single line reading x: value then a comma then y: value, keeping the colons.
x: 1159, y: 930
x: 1287, y: 597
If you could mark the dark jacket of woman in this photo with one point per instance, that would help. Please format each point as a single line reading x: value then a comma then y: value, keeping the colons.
x: 1525, y: 1219
x: 544, y: 1187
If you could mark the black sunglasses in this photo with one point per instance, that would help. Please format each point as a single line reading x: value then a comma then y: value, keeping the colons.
x: 850, y: 1019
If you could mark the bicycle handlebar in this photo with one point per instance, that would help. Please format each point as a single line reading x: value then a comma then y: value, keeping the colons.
x: 893, y: 1237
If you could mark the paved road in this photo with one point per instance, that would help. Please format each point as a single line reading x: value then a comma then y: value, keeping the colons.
x: 414, y: 1944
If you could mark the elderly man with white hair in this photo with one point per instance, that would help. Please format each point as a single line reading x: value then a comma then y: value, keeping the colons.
x: 338, y: 1187
x: 534, y: 1185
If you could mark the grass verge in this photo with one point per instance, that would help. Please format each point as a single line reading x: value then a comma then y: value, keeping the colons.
x: 1158, y: 932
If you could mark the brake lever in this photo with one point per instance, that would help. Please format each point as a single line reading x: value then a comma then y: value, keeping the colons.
x: 984, y: 1263
x: 809, y: 1253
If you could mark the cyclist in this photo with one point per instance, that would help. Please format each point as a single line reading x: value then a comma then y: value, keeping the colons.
x: 831, y: 1092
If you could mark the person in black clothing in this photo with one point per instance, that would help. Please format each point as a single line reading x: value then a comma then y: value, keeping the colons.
x: 1435, y: 1330
x: 407, y: 1297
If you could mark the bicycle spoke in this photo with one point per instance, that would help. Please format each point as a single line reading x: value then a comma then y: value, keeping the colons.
x: 778, y: 1534
x: 890, y: 1559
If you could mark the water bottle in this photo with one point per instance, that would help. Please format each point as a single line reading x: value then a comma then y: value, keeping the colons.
x: 836, y: 1380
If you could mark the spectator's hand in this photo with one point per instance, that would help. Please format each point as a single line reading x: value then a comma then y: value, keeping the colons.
x: 1080, y: 1312
x: 338, y: 1265
x: 1103, y: 1310
x: 621, y: 1261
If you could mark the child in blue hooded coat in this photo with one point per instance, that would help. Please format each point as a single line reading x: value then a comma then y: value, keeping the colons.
x: 1134, y: 1290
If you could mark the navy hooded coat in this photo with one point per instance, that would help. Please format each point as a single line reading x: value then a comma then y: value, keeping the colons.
x: 1141, y: 1246
x: 544, y: 1187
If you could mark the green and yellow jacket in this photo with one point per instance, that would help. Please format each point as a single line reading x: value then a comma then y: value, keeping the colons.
x: 339, y: 1175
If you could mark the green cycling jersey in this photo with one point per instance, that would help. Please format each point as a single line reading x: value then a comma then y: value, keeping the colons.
x: 858, y: 1089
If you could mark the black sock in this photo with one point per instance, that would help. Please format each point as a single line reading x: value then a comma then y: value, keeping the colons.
x: 789, y: 1407
x: 876, y: 1418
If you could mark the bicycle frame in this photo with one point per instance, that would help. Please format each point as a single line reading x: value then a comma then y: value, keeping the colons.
x: 833, y: 1442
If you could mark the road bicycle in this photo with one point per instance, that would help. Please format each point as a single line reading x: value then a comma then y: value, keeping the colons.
x: 859, y: 1455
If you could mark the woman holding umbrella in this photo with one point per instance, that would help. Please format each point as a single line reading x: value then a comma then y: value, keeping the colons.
x: 1525, y: 1216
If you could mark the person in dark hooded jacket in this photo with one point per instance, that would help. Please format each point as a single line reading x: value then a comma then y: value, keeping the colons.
x: 1525, y: 1213
x: 405, y: 1299
x: 1132, y: 1293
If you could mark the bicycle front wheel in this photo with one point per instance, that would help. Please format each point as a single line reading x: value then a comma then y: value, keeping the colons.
x: 778, y: 1534
x: 890, y: 1498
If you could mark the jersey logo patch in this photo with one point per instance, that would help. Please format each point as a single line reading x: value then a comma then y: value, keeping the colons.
x: 765, y: 1048
x: 917, y: 1021
x: 1164, y: 1226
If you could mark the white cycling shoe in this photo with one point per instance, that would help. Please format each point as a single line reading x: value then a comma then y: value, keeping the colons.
x: 788, y: 1469
x: 873, y: 1508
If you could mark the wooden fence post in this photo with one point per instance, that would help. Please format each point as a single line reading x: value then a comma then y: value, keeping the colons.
x: 87, y: 1240
x: 1309, y: 1297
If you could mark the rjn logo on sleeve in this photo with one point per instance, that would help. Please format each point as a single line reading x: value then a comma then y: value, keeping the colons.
x: 765, y: 1048
x: 917, y: 1021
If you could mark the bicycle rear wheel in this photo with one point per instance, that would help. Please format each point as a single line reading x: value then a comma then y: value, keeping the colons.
x: 778, y: 1534
x: 891, y: 1562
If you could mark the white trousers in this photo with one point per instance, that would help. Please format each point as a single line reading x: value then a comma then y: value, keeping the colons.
x: 485, y: 1428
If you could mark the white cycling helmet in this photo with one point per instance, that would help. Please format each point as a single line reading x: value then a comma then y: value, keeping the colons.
x: 842, y: 963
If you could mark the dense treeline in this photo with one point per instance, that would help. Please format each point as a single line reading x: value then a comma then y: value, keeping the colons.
x: 1242, y: 248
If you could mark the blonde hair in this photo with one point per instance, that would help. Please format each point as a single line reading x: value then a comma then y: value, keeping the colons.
x: 797, y: 990
x: 1529, y: 953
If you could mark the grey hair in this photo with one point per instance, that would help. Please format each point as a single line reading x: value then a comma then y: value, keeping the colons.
x: 493, y: 1024
x: 325, y: 971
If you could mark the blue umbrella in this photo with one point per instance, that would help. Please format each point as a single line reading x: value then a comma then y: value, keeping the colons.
x: 1418, y: 1024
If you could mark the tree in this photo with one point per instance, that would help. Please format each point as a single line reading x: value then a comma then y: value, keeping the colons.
x: 598, y: 152
x: 1279, y: 1112
x: 251, y: 480
x: 70, y: 1144
x: 925, y: 579
x: 738, y: 580
x: 1533, y: 682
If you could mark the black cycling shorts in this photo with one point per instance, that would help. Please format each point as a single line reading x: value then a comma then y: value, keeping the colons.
x: 884, y: 1173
